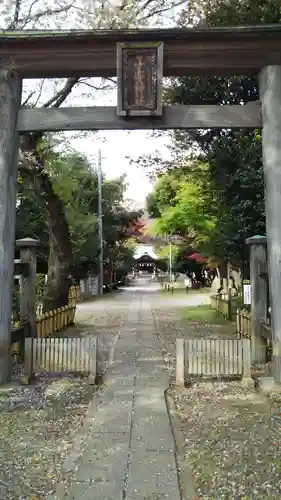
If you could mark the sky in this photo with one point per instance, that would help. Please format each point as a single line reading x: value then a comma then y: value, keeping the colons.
x: 116, y: 146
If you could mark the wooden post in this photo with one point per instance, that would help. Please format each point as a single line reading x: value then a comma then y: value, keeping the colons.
x: 247, y: 380
x: 93, y: 353
x: 246, y: 349
x: 229, y: 291
x: 27, y: 248
x: 270, y: 94
x: 180, y: 362
x: 259, y: 295
x: 10, y: 98
x: 28, y: 361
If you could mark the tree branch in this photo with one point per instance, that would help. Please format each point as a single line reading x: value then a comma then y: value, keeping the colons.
x: 60, y: 96
x: 36, y: 17
x: 106, y: 87
x: 15, y: 20
x: 31, y: 94
x: 40, y: 92
x: 158, y: 11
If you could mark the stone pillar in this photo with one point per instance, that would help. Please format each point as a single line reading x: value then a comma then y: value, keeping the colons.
x: 259, y: 295
x: 270, y: 95
x: 27, y: 248
x: 10, y: 98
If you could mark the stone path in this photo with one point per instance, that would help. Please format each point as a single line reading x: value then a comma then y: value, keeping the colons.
x: 130, y: 451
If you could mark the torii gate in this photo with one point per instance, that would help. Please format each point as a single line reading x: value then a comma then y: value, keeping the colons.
x: 140, y: 58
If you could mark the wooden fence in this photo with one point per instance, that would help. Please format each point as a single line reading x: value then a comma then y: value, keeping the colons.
x: 55, y: 321
x: 243, y: 317
x: 61, y: 355
x: 75, y: 294
x: 168, y: 287
x: 221, y: 304
x: 212, y: 358
x: 243, y: 323
x: 47, y: 323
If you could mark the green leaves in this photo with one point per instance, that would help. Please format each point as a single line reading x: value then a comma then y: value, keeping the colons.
x: 218, y: 210
x: 76, y: 183
x: 183, y: 205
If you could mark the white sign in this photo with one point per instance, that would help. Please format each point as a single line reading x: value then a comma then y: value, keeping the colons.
x: 247, y: 294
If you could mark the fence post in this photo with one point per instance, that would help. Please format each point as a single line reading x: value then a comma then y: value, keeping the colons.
x: 247, y: 378
x: 229, y: 307
x: 238, y: 322
x: 259, y: 295
x: 229, y: 291
x: 180, y: 362
x: 28, y: 361
x: 27, y: 248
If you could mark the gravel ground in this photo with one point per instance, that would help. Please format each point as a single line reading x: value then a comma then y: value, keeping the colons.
x: 170, y: 326
x: 37, y: 427
x: 38, y: 424
x: 231, y: 435
x: 106, y: 325
x: 232, y: 441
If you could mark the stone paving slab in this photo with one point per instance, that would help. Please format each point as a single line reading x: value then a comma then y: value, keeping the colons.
x: 120, y: 395
x: 148, y: 382
x: 154, y: 434
x: 121, y: 379
x: 155, y: 370
x: 104, y: 459
x: 151, y: 473
x: 103, y: 491
x: 130, y: 451
x: 112, y: 417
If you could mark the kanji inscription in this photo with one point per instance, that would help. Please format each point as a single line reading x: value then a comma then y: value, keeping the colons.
x: 139, y: 72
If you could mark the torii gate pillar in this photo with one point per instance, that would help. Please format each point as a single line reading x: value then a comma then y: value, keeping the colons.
x: 10, y: 99
x: 270, y: 95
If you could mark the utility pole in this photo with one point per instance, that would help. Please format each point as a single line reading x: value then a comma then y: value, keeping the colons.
x: 100, y: 221
x: 170, y: 258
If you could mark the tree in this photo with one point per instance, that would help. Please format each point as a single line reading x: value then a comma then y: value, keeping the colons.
x: 31, y: 221
x: 26, y: 14
x: 182, y: 200
x: 226, y: 13
x: 135, y: 229
x: 235, y: 158
x: 235, y: 173
x: 75, y: 183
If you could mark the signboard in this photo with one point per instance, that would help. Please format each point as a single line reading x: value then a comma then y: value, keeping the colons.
x: 139, y: 79
x: 247, y: 293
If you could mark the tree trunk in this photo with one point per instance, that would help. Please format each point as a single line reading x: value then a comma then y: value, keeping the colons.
x: 60, y: 253
x: 222, y: 268
x: 58, y: 281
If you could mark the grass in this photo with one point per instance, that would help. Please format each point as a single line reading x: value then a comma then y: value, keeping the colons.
x: 204, y: 314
